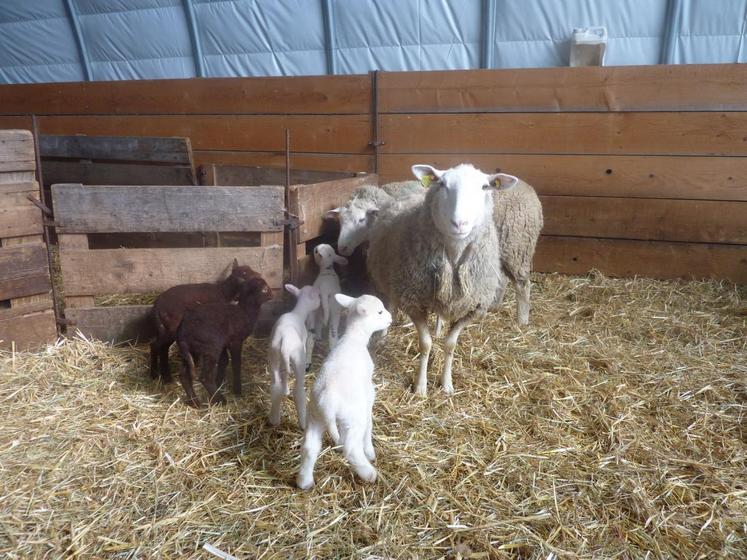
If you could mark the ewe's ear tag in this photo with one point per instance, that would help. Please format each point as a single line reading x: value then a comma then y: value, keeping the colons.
x: 497, y: 183
x: 426, y: 180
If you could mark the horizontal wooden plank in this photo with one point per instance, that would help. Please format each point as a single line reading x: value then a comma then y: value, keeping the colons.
x: 131, y: 323
x: 24, y: 271
x: 121, y: 271
x: 17, y: 151
x: 23, y: 187
x: 691, y: 177
x: 701, y: 87
x: 117, y: 148
x: 309, y: 133
x: 11, y: 177
x: 254, y: 175
x: 315, y: 162
x: 654, y: 219
x: 29, y: 332
x: 115, y: 173
x: 300, y: 95
x: 27, y: 305
x: 22, y: 240
x: 311, y: 202
x: 111, y: 209
x: 696, y: 133
x: 653, y: 259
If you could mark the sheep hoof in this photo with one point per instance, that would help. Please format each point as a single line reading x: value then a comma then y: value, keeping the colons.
x: 166, y: 379
x: 421, y: 391
x: 370, y: 454
x: 305, y: 484
x: 368, y: 475
x: 448, y: 389
x: 275, y: 422
x: 308, y: 369
x: 218, y: 399
x: 194, y: 403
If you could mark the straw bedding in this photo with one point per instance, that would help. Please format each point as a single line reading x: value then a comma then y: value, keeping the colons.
x: 612, y: 427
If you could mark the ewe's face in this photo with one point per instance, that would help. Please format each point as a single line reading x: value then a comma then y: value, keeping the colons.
x: 463, y: 199
x: 354, y: 224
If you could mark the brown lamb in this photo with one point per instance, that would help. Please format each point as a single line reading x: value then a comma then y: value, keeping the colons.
x: 212, y: 330
x: 170, y: 306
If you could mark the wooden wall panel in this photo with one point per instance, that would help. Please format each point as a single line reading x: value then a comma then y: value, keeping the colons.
x: 224, y: 96
x: 314, y: 162
x: 309, y: 133
x: 23, y: 271
x: 654, y: 259
x: 28, y: 332
x: 697, y: 87
x: 700, y: 221
x: 684, y: 177
x: 699, y: 133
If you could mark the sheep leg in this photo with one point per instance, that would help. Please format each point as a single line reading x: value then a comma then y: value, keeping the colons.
x: 449, y: 347
x: 279, y: 383
x: 186, y: 375
x: 154, y: 352
x: 236, y: 365
x: 222, y: 364
x: 334, y: 324
x: 424, y: 337
x: 312, y: 445
x: 368, y: 447
x: 299, y: 390
x: 523, y: 290
x: 353, y: 449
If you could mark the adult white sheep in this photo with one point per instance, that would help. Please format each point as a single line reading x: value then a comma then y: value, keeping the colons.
x: 441, y: 256
x: 517, y: 215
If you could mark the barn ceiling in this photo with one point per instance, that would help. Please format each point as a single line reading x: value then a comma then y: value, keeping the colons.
x: 77, y: 40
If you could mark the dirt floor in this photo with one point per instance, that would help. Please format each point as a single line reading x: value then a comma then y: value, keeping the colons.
x: 615, y: 426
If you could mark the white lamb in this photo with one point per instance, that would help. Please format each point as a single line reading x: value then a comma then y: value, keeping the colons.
x: 343, y: 394
x: 287, y: 352
x: 328, y: 284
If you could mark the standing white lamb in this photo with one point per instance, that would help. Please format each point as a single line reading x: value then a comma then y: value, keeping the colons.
x: 343, y: 393
x: 287, y: 352
x: 517, y: 215
x: 442, y: 257
x: 328, y: 284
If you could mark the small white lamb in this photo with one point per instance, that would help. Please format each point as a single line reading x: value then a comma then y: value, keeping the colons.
x: 343, y: 394
x: 288, y: 352
x: 328, y: 284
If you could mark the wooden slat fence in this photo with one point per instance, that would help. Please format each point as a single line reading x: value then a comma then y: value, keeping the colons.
x: 642, y: 170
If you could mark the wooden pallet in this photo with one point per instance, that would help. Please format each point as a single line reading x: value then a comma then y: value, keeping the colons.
x: 84, y: 211
x: 27, y: 318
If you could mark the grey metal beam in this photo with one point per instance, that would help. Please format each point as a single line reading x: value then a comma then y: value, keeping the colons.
x: 194, y: 38
x: 85, y: 62
x: 671, y: 28
x: 330, y: 40
x: 487, y: 40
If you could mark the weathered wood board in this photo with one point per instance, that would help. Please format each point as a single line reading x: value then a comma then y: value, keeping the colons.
x: 109, y: 209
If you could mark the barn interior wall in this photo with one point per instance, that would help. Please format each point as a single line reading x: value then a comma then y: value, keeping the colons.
x: 641, y: 170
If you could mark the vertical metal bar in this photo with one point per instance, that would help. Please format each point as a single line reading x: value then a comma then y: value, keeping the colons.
x: 194, y: 38
x: 671, y: 28
x: 330, y: 43
x: 487, y: 40
x: 376, y: 142
x: 290, y: 236
x: 79, y: 41
x: 45, y: 221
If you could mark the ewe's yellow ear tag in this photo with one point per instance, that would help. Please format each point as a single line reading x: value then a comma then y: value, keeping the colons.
x: 426, y: 180
x: 497, y: 182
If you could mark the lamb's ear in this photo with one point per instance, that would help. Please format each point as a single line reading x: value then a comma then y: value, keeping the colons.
x: 426, y: 174
x: 502, y: 181
x: 340, y: 260
x: 292, y: 289
x: 235, y: 264
x: 333, y: 214
x: 343, y: 300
